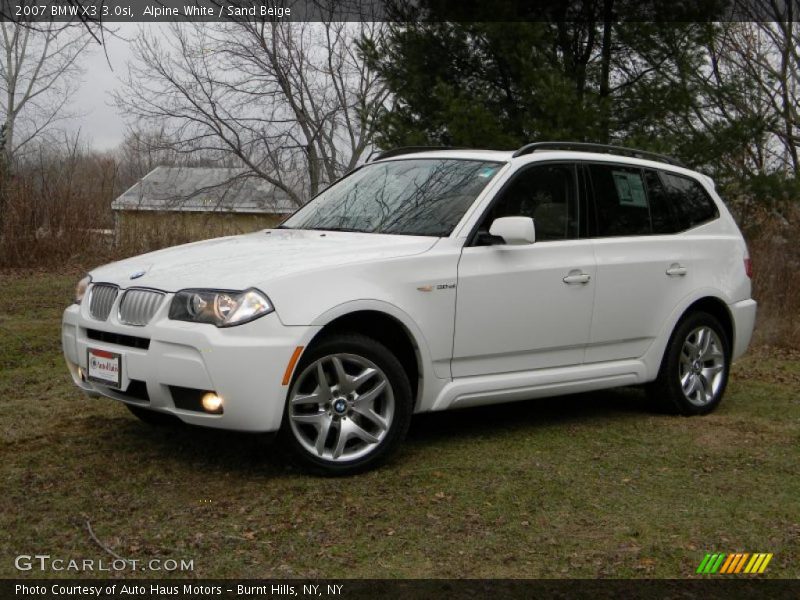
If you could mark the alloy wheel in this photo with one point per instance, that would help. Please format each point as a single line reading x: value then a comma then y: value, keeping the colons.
x: 341, y: 407
x: 701, y: 366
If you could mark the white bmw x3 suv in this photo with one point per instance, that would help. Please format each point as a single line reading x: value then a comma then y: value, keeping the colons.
x: 426, y: 281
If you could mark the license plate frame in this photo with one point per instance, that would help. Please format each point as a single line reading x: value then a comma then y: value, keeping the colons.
x: 104, y: 367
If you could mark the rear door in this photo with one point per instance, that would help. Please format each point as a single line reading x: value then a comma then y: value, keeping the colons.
x: 525, y: 307
x: 644, y: 266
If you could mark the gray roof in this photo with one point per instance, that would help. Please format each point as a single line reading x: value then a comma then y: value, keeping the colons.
x: 204, y: 189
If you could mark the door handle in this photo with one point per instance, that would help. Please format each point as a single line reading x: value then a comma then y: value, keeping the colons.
x: 575, y: 277
x: 676, y: 270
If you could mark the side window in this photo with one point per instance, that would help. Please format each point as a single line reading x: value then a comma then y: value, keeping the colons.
x: 547, y: 193
x: 620, y: 201
x: 689, y: 201
x: 662, y: 214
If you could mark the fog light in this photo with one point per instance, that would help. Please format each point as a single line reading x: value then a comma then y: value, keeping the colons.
x: 212, y: 403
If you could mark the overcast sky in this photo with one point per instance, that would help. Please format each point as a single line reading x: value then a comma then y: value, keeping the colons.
x: 97, y: 118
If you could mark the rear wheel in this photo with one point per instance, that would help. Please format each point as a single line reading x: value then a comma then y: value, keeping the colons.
x: 349, y: 406
x: 694, y: 371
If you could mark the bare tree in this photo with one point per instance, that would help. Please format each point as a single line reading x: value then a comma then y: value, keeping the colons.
x: 776, y: 72
x: 86, y: 13
x: 293, y: 102
x: 141, y: 152
x: 37, y: 79
x: 766, y: 55
x: 726, y: 102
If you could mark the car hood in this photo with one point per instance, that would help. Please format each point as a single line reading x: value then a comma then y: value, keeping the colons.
x: 254, y: 259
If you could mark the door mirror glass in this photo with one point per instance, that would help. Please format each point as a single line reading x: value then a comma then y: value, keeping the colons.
x: 514, y: 230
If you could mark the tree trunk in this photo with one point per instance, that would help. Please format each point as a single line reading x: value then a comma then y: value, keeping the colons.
x: 4, y: 177
x: 605, y: 72
x: 788, y: 73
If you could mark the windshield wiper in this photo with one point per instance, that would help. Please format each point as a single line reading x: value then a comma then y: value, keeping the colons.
x: 346, y: 229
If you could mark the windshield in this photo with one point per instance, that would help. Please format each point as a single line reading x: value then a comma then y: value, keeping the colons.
x: 410, y: 197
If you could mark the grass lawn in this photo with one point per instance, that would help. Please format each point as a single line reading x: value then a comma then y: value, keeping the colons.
x: 594, y: 485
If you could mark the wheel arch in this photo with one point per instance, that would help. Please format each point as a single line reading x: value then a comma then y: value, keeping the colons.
x: 716, y: 308
x: 388, y: 325
x: 705, y: 301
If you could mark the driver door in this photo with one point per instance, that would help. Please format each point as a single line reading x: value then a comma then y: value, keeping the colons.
x: 526, y: 307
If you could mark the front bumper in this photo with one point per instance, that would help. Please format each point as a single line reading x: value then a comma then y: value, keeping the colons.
x: 245, y: 365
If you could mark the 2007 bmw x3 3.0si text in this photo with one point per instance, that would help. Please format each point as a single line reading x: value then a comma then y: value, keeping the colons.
x: 428, y: 280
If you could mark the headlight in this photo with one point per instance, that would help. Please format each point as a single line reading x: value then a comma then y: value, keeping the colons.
x: 223, y: 309
x: 80, y: 289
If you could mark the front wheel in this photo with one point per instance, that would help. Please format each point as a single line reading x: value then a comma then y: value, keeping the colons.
x: 349, y: 406
x: 694, y: 371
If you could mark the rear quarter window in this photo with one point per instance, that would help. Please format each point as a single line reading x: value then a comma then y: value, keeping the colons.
x: 688, y: 201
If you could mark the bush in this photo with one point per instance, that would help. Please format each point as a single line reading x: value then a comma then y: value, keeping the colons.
x: 57, y: 210
x: 774, y: 243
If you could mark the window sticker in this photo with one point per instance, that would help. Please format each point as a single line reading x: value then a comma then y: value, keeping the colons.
x: 487, y: 172
x: 630, y: 189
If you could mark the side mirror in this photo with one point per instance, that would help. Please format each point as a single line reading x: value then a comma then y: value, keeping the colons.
x: 514, y: 230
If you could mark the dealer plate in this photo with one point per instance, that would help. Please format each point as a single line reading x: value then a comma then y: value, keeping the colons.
x: 104, y: 367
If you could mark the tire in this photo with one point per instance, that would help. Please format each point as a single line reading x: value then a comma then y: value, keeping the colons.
x: 358, y: 418
x: 151, y: 417
x: 694, y: 371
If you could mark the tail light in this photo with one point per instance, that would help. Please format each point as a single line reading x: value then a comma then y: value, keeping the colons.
x: 748, y: 267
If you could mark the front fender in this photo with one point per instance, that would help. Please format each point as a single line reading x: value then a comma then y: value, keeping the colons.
x: 434, y: 373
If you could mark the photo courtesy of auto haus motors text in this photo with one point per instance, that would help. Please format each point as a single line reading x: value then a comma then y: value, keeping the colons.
x: 382, y: 298
x: 122, y: 590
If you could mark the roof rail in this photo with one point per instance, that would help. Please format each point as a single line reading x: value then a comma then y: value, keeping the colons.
x: 587, y: 147
x: 406, y: 150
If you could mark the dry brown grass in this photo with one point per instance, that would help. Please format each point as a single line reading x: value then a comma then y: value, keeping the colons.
x: 52, y: 210
x: 56, y: 212
x: 774, y: 243
x: 139, y: 232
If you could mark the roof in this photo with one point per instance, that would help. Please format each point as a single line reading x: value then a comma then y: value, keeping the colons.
x: 594, y: 148
x: 204, y: 189
x: 456, y: 153
x: 549, y: 155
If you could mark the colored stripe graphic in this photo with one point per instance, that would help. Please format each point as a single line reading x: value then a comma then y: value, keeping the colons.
x: 757, y: 564
x: 718, y: 563
x: 703, y: 564
x: 727, y: 564
x: 752, y: 563
x: 734, y: 563
x: 764, y: 564
x: 710, y: 563
x: 739, y: 562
